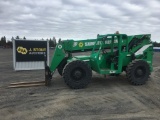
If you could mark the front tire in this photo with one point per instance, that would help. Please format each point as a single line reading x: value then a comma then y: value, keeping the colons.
x: 61, y: 66
x: 138, y: 72
x: 77, y: 74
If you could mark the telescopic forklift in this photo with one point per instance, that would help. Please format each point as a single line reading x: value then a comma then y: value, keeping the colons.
x: 111, y: 54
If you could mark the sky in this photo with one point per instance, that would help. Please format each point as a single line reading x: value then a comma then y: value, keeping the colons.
x: 78, y: 19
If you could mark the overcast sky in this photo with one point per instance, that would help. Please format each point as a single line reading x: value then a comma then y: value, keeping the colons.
x: 78, y: 19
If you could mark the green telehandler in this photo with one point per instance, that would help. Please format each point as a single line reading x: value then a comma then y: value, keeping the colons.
x: 111, y: 54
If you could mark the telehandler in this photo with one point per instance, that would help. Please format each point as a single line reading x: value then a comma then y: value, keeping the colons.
x: 111, y: 54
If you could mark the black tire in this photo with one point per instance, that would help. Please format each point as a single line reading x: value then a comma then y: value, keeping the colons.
x: 61, y: 66
x: 124, y: 68
x: 138, y: 72
x: 77, y: 74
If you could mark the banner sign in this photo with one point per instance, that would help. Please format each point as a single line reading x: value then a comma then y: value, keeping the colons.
x: 30, y: 50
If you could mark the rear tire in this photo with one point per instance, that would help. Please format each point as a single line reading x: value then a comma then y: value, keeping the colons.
x: 138, y: 72
x: 77, y: 74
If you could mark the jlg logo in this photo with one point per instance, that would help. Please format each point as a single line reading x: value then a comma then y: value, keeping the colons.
x: 22, y: 50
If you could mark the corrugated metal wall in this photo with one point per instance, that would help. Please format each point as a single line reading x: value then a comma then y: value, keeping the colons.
x: 29, y: 65
x: 34, y: 65
x: 156, y: 49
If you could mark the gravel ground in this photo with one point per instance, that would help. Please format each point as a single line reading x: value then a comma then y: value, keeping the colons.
x: 108, y: 98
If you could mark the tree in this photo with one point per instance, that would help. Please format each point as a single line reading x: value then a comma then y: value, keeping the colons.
x: 9, y: 44
x: 51, y: 43
x: 24, y: 38
x: 3, y: 41
x: 1, y: 38
x: 59, y: 40
x: 156, y: 44
x: 17, y: 37
x: 54, y: 41
x: 12, y: 38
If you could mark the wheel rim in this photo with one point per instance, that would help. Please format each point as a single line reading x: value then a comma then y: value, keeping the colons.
x: 77, y: 74
x: 140, y: 72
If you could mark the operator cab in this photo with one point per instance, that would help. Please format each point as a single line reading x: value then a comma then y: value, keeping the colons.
x: 110, y: 52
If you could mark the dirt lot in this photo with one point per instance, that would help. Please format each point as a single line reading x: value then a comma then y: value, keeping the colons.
x: 108, y: 98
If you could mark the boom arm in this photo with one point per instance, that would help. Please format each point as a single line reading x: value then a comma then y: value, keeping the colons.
x: 68, y: 47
